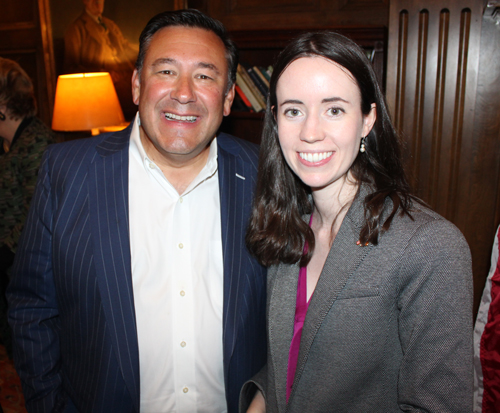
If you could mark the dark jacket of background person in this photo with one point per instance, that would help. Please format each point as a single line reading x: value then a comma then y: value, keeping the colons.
x: 18, y: 175
x: 24, y: 139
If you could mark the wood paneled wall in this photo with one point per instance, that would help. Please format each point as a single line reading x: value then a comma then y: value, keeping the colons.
x: 26, y: 37
x: 294, y: 14
x: 438, y: 62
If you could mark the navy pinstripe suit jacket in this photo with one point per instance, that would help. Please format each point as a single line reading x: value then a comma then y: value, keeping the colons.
x: 71, y: 298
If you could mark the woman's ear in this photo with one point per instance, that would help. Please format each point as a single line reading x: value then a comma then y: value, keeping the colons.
x: 369, y: 120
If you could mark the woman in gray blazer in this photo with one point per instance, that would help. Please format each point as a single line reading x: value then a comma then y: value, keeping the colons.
x: 369, y: 291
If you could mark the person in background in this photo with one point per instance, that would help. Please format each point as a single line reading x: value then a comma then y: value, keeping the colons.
x: 24, y: 139
x: 94, y: 43
x: 369, y: 291
x: 132, y: 289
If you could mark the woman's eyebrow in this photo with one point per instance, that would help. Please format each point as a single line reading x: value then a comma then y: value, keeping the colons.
x: 291, y: 101
x: 334, y: 99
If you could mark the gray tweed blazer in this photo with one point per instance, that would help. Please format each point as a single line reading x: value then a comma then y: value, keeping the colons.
x: 389, y: 326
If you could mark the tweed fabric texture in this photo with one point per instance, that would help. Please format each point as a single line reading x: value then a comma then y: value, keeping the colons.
x: 388, y: 328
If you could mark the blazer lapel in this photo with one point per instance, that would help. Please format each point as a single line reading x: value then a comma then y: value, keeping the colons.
x: 108, y: 190
x: 342, y: 261
x: 92, y: 27
x: 282, y: 294
x: 235, y: 193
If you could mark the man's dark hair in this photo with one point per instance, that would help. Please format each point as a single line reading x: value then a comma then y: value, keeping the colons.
x: 194, y: 19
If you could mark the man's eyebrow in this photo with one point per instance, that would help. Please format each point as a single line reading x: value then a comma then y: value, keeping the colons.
x: 163, y: 60
x: 208, y: 66
x: 202, y: 65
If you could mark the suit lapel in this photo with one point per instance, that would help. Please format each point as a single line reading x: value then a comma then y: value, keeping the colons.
x: 343, y: 259
x: 108, y: 191
x: 92, y: 27
x: 281, y: 315
x: 235, y: 194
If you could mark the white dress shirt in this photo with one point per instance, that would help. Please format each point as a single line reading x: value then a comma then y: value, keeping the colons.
x: 177, y: 273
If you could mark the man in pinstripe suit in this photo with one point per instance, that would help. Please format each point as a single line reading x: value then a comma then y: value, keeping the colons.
x: 132, y: 288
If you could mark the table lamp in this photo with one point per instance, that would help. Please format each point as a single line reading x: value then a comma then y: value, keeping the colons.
x: 86, y: 101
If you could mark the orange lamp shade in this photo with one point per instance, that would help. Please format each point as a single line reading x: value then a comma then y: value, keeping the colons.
x: 86, y: 101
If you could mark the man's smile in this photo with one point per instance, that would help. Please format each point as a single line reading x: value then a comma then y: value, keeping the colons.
x: 172, y: 116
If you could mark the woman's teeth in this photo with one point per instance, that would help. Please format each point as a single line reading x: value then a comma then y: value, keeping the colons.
x: 314, y: 157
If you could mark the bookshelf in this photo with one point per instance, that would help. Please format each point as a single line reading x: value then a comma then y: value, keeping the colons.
x: 261, y: 47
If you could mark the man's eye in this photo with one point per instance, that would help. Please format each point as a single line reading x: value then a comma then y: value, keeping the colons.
x: 204, y: 77
x: 166, y: 72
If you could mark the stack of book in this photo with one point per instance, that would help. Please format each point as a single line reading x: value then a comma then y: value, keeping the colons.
x: 252, y: 87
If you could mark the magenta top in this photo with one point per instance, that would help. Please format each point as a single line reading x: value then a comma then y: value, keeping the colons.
x: 300, y: 315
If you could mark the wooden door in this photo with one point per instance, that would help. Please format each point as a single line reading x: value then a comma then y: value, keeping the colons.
x: 26, y: 37
x: 444, y: 93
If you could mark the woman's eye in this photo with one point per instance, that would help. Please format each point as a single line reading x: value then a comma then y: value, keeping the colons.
x: 335, y: 111
x: 292, y: 112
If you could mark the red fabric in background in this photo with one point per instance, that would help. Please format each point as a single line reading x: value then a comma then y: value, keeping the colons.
x: 490, y: 347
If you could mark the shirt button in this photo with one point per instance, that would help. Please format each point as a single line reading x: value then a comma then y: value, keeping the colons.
x: 181, y: 246
x: 181, y: 200
x: 183, y: 344
x: 152, y: 165
x: 185, y: 389
x: 183, y: 293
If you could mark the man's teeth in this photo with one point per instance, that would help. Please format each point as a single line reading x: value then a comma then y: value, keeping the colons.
x: 315, y: 157
x: 182, y: 118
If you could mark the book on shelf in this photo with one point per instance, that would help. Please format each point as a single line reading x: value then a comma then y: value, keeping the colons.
x: 245, y: 89
x: 255, y: 90
x: 244, y: 99
x: 261, y: 72
x: 370, y: 53
x: 257, y: 81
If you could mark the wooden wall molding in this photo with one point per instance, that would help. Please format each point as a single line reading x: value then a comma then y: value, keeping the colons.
x: 436, y: 50
x: 26, y: 37
x: 359, y: 5
x: 295, y: 14
x: 17, y: 26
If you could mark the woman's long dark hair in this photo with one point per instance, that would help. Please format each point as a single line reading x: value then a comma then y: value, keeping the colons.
x: 277, y: 230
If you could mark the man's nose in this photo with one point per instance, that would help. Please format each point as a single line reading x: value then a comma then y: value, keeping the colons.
x: 183, y: 90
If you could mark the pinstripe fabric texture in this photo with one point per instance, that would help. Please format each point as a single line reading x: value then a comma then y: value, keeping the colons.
x: 71, y: 296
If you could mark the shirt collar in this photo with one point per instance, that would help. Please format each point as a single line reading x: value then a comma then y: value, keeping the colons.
x: 25, y: 122
x: 137, y: 149
x: 92, y: 16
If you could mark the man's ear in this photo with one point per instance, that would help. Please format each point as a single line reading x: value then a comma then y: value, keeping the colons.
x: 136, y: 87
x: 228, y: 100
